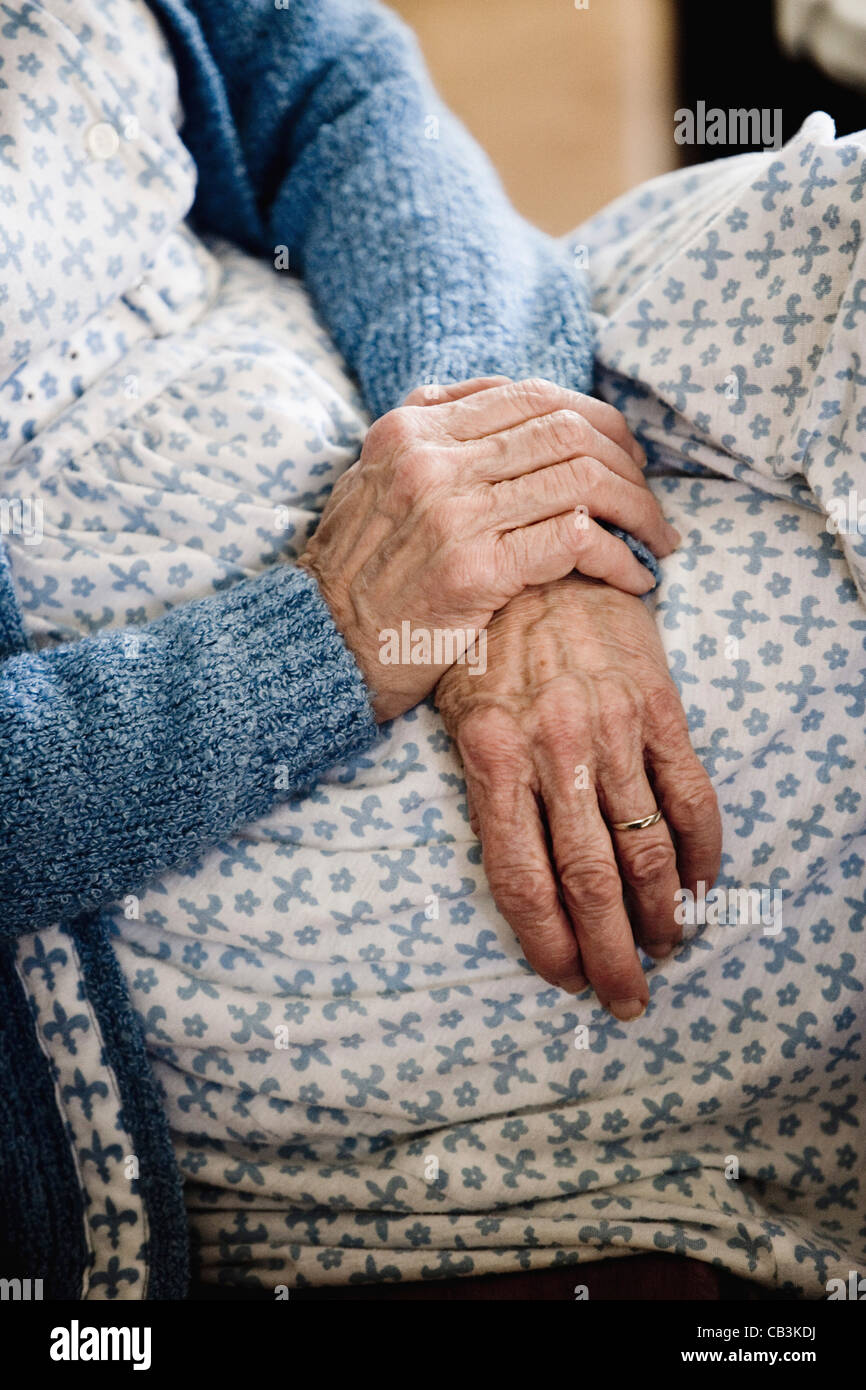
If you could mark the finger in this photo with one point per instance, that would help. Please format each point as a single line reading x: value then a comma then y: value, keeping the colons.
x: 610, y: 421
x: 683, y: 791
x: 552, y: 438
x: 551, y: 549
x: 592, y: 894
x: 647, y: 858
x: 587, y: 484
x: 435, y: 393
x: 523, y: 882
x: 510, y: 404
x: 587, y: 487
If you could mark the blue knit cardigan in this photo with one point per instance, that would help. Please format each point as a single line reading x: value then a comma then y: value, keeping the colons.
x: 309, y: 127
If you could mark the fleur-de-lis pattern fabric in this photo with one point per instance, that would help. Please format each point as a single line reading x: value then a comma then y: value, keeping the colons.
x: 116, y: 1226
x: 364, y: 1079
x: 87, y: 233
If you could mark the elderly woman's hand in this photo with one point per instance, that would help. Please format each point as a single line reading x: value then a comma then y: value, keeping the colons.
x: 576, y: 724
x: 455, y: 507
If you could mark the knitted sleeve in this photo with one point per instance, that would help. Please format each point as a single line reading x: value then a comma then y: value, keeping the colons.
x: 315, y: 128
x: 321, y: 142
x: 130, y: 752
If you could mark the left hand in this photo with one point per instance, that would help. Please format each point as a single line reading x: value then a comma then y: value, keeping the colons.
x: 576, y: 679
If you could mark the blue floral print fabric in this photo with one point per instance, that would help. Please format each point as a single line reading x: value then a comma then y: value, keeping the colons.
x: 364, y: 1079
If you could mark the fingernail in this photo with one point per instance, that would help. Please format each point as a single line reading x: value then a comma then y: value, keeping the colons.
x: 574, y: 985
x: 674, y: 535
x: 626, y: 1009
x: 659, y: 950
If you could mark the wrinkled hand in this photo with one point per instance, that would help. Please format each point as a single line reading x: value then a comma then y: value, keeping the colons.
x: 454, y: 507
x: 575, y: 724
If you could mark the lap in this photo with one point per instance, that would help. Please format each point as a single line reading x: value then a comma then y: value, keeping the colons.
x: 415, y: 1030
x: 438, y: 1044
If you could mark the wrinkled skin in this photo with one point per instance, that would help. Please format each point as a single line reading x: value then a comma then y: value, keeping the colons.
x: 454, y: 507
x: 576, y: 679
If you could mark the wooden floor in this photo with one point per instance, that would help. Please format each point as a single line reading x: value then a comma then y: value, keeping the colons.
x: 573, y: 105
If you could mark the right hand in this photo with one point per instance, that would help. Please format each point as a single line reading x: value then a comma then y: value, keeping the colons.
x: 454, y: 508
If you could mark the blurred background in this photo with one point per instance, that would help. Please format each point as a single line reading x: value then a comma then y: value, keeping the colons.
x: 575, y: 102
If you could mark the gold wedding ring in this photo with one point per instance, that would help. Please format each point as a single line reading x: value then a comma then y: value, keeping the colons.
x: 637, y: 824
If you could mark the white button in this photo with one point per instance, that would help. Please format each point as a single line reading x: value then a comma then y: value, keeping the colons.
x: 103, y: 140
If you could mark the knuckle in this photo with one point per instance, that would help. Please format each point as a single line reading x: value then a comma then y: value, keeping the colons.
x: 567, y: 429
x: 585, y: 543
x: 394, y: 431
x: 557, y: 721
x: 619, y: 715
x: 588, y: 473
x: 526, y: 892
x: 413, y: 472
x: 494, y: 446
x: 420, y: 395
x: 648, y: 861
x: 666, y: 711
x: 536, y: 391
x: 596, y: 471
x: 696, y: 798
x: 592, y: 881
x: 470, y: 571
x: 491, y: 743
x: 622, y: 756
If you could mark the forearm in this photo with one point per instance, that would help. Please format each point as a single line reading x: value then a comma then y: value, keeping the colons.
x: 420, y: 266
x: 339, y: 149
x: 129, y: 753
